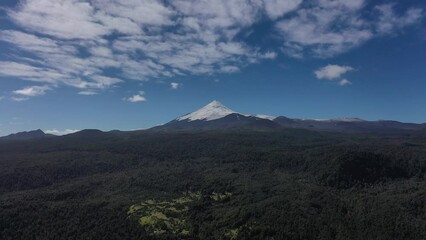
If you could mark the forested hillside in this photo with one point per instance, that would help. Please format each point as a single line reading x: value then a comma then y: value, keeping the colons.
x: 290, y: 184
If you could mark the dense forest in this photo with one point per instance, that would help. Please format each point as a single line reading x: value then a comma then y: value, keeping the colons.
x: 234, y: 184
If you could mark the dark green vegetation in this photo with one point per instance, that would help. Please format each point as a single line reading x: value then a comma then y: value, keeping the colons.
x: 291, y: 184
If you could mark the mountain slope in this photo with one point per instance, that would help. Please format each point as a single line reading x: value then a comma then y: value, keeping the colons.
x: 233, y: 120
x: 35, y: 134
x: 349, y: 125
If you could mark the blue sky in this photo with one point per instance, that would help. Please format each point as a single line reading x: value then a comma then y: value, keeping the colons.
x: 74, y: 64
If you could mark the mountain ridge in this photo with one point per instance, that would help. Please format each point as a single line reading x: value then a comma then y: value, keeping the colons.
x: 216, y: 115
x: 27, y: 135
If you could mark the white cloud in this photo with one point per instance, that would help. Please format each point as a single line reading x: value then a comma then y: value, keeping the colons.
x: 1, y: 98
x: 87, y: 93
x: 32, y: 91
x: 101, y: 51
x: 389, y: 21
x: 156, y: 39
x: 334, y: 72
x: 345, y: 82
x: 293, y: 50
x: 61, y: 132
x: 78, y: 42
x: 326, y: 28
x: 277, y: 8
x: 137, y: 97
x: 147, y: 12
x: 27, y: 72
x: 175, y: 85
x: 67, y: 19
x: 315, y: 28
x: 229, y: 69
x: 103, y: 82
x: 269, y: 55
x: 221, y: 14
x: 331, y: 72
x: 33, y: 43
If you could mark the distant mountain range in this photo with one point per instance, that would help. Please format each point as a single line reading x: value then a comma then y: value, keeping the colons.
x: 216, y: 116
x: 36, y: 134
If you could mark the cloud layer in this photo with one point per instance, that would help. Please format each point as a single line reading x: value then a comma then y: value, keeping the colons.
x: 93, y: 45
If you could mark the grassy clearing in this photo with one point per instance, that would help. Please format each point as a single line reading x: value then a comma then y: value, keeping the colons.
x: 232, y: 234
x: 160, y: 217
x: 171, y: 217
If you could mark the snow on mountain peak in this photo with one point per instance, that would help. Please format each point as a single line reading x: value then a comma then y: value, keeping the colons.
x: 262, y: 116
x: 211, y: 111
x: 346, y: 119
x: 215, y: 104
x: 216, y: 110
x: 338, y: 120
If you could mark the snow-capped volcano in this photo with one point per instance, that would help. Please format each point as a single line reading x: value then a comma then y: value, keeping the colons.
x: 216, y: 116
x: 211, y: 111
x: 216, y: 110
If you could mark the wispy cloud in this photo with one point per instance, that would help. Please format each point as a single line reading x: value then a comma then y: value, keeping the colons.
x: 326, y: 28
x: 87, y: 93
x: 141, y: 40
x: 78, y: 43
x: 334, y: 73
x: 389, y: 21
x: 229, y: 69
x: 32, y: 91
x: 137, y: 97
x: 269, y: 55
x: 277, y: 8
x: 345, y: 82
